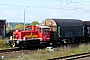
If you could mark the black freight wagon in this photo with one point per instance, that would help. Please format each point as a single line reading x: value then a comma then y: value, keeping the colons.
x: 65, y: 30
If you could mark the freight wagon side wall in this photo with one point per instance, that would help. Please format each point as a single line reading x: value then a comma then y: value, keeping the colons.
x: 70, y: 31
x: 70, y: 28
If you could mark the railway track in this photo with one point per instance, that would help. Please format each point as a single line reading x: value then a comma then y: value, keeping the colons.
x: 72, y: 57
x: 9, y: 50
x: 15, y: 52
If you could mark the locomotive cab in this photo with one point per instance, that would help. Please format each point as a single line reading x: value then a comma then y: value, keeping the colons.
x: 43, y: 34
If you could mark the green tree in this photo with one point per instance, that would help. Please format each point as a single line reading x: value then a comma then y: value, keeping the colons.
x: 34, y: 23
x: 8, y: 27
x: 19, y: 27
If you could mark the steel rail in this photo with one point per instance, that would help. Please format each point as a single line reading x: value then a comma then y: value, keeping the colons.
x: 71, y: 57
x: 9, y: 50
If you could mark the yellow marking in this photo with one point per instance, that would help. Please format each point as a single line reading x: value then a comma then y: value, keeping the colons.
x: 31, y: 36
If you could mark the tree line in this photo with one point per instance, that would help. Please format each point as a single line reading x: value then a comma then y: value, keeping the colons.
x: 21, y: 26
x: 9, y: 30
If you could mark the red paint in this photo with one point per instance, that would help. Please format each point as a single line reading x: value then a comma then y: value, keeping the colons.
x: 35, y: 32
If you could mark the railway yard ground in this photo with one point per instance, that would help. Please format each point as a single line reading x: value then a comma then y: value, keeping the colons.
x: 47, y: 52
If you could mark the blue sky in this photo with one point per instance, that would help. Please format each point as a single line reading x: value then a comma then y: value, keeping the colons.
x: 38, y: 10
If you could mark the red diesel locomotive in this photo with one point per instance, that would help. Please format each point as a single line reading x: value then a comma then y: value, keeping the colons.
x: 32, y: 36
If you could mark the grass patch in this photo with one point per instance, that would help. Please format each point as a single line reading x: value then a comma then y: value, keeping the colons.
x: 42, y: 54
x: 3, y: 44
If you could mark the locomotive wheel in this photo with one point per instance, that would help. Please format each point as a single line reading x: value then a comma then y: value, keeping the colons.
x: 12, y: 43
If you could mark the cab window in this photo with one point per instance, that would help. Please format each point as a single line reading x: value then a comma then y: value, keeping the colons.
x: 45, y: 31
x: 29, y: 28
x: 39, y: 29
